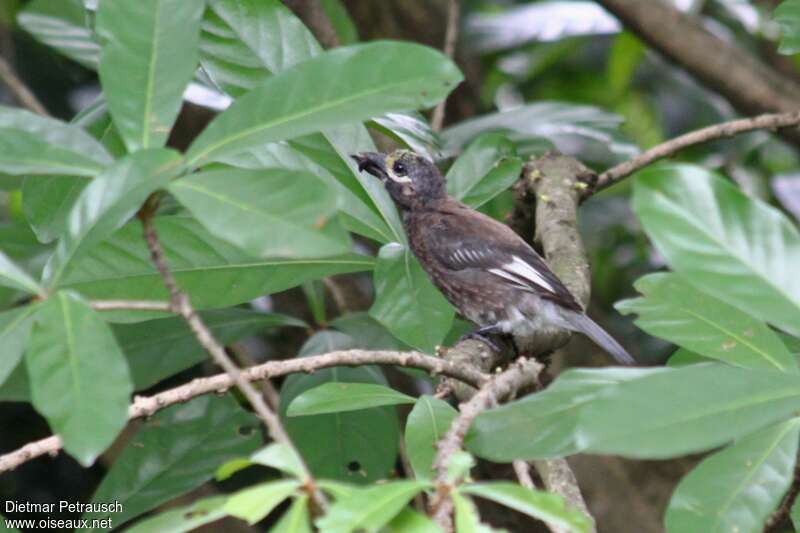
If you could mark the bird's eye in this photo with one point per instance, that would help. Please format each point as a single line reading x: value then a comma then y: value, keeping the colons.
x: 399, y: 169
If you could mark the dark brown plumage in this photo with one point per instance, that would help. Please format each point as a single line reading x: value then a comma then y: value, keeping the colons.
x: 492, y: 276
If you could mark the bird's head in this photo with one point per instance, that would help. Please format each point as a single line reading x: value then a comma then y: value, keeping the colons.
x: 411, y: 180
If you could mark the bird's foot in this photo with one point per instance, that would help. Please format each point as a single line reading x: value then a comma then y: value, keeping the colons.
x: 483, y: 335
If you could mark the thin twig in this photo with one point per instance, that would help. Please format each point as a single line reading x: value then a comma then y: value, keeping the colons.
x: 182, y: 305
x: 523, y: 471
x: 523, y: 373
x: 726, y: 129
x: 144, y: 406
x: 20, y: 91
x: 450, y: 42
x: 131, y: 305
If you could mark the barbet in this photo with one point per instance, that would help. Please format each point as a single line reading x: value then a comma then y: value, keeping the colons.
x: 484, y: 269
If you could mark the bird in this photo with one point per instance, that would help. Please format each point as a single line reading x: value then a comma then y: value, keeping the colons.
x: 485, y: 270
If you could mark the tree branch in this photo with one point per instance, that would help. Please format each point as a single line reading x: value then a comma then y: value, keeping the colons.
x: 181, y: 304
x: 20, y: 91
x: 450, y: 42
x: 772, y: 122
x: 131, y: 305
x: 144, y: 406
x: 523, y: 373
x: 750, y: 85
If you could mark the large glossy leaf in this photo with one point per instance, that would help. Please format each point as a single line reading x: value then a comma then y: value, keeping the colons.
x: 157, y: 349
x: 737, y: 488
x: 108, y: 202
x: 354, y: 208
x: 254, y: 503
x: 64, y: 26
x: 183, y: 519
x: 213, y: 272
x: 15, y: 328
x: 149, y: 54
x: 79, y: 378
x: 11, y: 275
x: 370, y: 508
x: 486, y: 168
x: 412, y: 130
x: 406, y: 301
x: 674, y: 310
x: 545, y: 506
x: 25, y: 153
x: 725, y: 243
x: 61, y: 138
x: 340, y: 397
x: 47, y: 201
x: 245, y: 42
x: 788, y: 16
x: 361, y: 446
x: 571, y: 128
x: 268, y: 213
x: 426, y: 424
x: 652, y: 413
x: 340, y: 85
x: 174, y: 452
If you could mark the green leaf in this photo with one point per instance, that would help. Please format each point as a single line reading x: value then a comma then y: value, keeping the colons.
x: 340, y: 19
x: 254, y: 503
x: 361, y: 446
x: 467, y: 519
x: 722, y: 241
x: 674, y: 310
x: 14, y: 277
x: 237, y: 205
x: 626, y: 55
x: 412, y: 130
x: 406, y: 301
x: 411, y: 521
x: 341, y: 397
x: 281, y: 457
x: 296, y: 519
x: 244, y: 42
x: 426, y: 424
x: 174, y: 452
x: 213, y: 272
x: 62, y: 25
x: 367, y: 332
x: 486, y: 168
x: 653, y: 413
x: 303, y: 98
x: 15, y: 329
x: 82, y: 154
x: 563, y: 124
x: 736, y: 489
x: 108, y: 202
x: 79, y: 378
x: 370, y: 508
x: 183, y: 519
x: 159, y: 348
x: 149, y: 54
x: 788, y: 16
x: 47, y: 202
x: 545, y: 506
x: 25, y: 153
x: 795, y: 514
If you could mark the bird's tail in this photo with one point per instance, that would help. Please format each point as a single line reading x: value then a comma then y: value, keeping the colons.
x: 582, y: 323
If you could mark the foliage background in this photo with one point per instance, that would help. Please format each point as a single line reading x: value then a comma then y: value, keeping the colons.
x: 588, y: 87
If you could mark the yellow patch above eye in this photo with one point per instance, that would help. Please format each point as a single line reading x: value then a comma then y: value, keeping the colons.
x: 390, y: 161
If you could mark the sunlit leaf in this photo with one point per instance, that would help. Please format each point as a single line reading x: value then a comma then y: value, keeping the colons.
x: 64, y: 26
x: 339, y: 397
x: 183, y: 519
x: 254, y: 503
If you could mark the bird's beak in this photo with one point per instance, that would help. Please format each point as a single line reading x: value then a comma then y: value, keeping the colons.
x: 373, y: 162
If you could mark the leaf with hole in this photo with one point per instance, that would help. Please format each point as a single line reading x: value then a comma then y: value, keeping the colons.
x: 174, y: 452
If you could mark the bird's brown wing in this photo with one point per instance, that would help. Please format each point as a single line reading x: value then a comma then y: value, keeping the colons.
x: 466, y: 239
